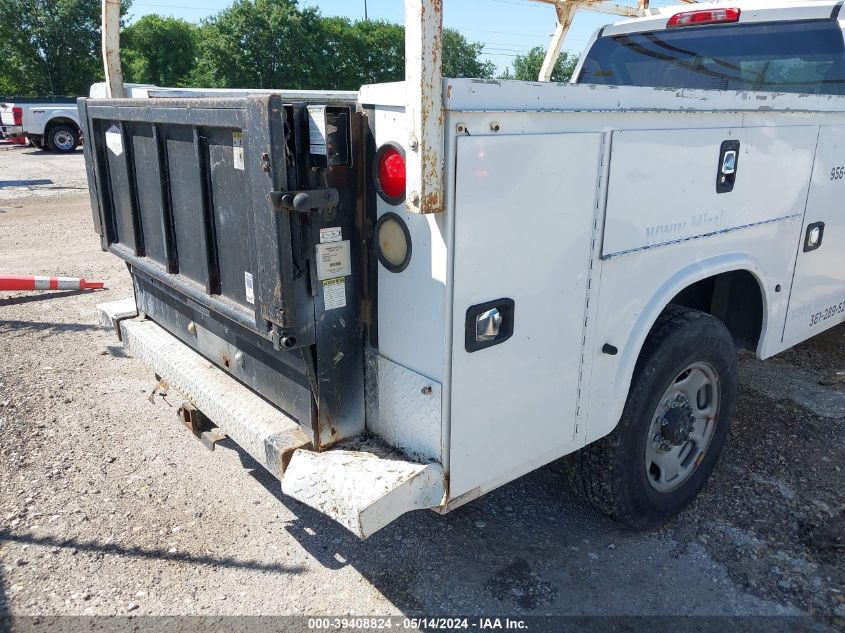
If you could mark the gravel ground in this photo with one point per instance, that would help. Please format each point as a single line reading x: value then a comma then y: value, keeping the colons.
x: 109, y: 506
x: 26, y: 172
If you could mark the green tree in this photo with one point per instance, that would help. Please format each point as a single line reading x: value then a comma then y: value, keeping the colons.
x: 259, y: 44
x: 363, y: 52
x: 50, y: 47
x: 461, y: 57
x: 159, y: 50
x: 276, y: 44
x: 357, y: 53
x: 527, y: 67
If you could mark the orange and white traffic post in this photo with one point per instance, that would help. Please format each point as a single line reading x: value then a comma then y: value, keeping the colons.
x: 34, y: 282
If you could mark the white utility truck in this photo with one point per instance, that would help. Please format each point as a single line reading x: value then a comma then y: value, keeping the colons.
x: 49, y: 126
x: 404, y: 297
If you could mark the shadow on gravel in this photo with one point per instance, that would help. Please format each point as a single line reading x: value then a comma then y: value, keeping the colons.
x: 4, y: 600
x: 764, y: 538
x: 44, y: 296
x: 141, y: 552
x: 40, y: 152
x: 519, y: 549
x: 25, y: 183
x: 40, y: 326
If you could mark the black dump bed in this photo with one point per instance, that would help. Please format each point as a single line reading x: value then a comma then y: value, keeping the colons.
x: 239, y: 219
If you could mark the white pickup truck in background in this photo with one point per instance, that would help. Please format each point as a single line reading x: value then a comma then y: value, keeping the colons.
x: 48, y: 126
x: 405, y: 297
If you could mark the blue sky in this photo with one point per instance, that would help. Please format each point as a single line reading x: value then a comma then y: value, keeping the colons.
x: 506, y: 27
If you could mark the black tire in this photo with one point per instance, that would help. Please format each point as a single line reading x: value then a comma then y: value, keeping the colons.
x: 62, y: 138
x: 611, y: 473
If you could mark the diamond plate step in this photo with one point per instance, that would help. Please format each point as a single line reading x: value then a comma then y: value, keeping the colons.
x: 262, y: 430
x: 363, y: 485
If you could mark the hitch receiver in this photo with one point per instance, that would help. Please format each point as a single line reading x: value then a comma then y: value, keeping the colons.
x: 199, y: 424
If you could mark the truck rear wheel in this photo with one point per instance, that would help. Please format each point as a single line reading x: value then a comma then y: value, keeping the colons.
x: 62, y: 138
x: 674, y: 425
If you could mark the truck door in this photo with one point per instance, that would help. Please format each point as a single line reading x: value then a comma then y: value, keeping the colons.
x: 525, y: 210
x: 817, y: 299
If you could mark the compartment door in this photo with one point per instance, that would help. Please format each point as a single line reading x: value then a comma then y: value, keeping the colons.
x: 524, y: 216
x: 668, y: 186
x: 817, y: 300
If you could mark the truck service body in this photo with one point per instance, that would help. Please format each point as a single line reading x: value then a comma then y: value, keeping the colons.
x: 405, y: 297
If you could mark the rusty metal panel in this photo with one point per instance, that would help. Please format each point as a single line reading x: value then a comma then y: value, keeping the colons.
x: 424, y: 105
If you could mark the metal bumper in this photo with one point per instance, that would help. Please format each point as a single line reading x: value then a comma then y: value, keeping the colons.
x: 364, y: 485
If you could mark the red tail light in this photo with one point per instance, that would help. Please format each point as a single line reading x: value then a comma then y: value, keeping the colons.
x: 17, y: 115
x: 390, y: 174
x: 708, y: 16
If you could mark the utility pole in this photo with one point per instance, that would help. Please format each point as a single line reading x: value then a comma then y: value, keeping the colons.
x: 365, y: 11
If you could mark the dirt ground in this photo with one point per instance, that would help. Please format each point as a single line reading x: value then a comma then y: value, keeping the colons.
x: 108, y: 506
x: 45, y: 174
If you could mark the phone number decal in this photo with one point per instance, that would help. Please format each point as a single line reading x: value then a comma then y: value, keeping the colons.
x: 827, y: 313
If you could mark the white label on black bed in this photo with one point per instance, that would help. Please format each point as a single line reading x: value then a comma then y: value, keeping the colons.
x: 334, y: 293
x: 317, y: 129
x: 238, y: 151
x: 250, y: 293
x: 114, y: 140
x: 331, y: 234
x: 333, y: 260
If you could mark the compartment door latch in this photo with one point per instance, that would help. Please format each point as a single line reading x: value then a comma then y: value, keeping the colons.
x: 728, y: 165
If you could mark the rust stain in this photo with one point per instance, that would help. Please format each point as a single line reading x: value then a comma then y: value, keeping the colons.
x: 286, y: 454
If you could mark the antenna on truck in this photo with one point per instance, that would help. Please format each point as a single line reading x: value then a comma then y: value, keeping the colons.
x: 566, y: 10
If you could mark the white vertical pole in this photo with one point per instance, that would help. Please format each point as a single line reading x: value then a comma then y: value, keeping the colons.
x: 424, y: 105
x: 111, y: 48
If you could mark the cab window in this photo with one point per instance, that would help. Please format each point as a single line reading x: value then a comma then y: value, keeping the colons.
x: 804, y: 57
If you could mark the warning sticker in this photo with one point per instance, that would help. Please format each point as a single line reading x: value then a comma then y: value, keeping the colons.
x: 334, y: 293
x: 250, y: 293
x: 317, y: 129
x: 114, y: 140
x: 331, y: 234
x: 333, y: 260
x: 238, y: 150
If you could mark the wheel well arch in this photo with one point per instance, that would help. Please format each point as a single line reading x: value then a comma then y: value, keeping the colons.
x: 735, y: 298
x: 61, y: 120
x: 688, y: 287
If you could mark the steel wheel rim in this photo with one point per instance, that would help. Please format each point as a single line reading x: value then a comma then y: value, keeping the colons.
x: 63, y: 140
x: 670, y: 460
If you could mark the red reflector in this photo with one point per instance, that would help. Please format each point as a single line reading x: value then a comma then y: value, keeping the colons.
x: 391, y: 173
x: 17, y: 115
x: 708, y: 16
